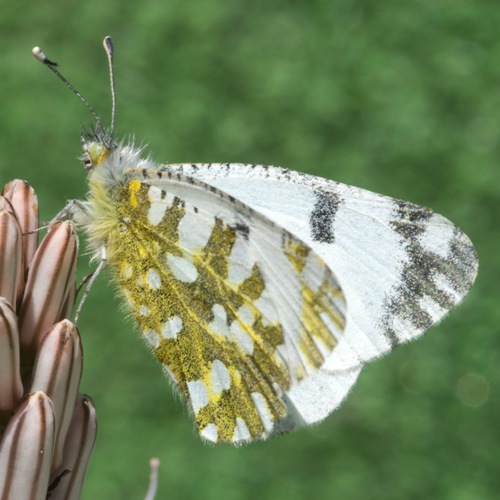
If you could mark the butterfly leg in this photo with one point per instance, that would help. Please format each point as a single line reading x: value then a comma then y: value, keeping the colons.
x: 73, y: 208
x: 90, y: 279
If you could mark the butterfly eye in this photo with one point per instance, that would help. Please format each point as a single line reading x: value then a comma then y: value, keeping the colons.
x: 98, y: 152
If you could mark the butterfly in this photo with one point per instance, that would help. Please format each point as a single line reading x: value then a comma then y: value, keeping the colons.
x: 263, y: 291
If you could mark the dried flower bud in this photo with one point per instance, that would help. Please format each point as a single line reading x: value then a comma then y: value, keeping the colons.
x: 47, y: 437
x: 26, y: 449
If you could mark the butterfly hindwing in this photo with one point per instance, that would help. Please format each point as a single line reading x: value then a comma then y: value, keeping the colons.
x: 237, y: 309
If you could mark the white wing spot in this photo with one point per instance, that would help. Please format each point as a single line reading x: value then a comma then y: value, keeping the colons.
x: 443, y: 283
x: 198, y: 394
x: 246, y: 315
x: 437, y: 236
x: 235, y: 332
x: 172, y: 327
x: 241, y: 433
x: 156, y: 213
x: 241, y: 337
x: 127, y: 272
x: 220, y: 378
x: 154, y: 279
x: 144, y: 311
x: 219, y: 323
x: 263, y: 411
x: 183, y: 269
x: 210, y: 433
x: 240, y: 262
x: 158, y: 206
x: 266, y: 306
x: 154, y: 193
x: 193, y: 239
x: 152, y: 338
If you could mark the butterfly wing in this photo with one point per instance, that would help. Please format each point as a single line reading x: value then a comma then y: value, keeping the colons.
x: 401, y: 267
x: 238, y: 310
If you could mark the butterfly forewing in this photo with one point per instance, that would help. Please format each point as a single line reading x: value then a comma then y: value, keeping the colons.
x: 401, y: 266
x: 237, y: 309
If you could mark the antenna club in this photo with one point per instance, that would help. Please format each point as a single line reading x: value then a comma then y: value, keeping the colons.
x: 108, y: 44
x: 40, y: 56
x: 37, y: 52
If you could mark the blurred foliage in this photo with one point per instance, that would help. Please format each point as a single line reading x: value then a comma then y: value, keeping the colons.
x: 397, y: 97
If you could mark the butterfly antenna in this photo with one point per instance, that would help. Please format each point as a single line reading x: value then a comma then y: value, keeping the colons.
x: 38, y: 53
x: 108, y: 47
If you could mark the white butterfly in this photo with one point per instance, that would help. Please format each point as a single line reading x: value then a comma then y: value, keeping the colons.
x: 263, y: 291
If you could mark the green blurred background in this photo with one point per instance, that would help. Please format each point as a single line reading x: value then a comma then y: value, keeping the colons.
x: 401, y: 98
